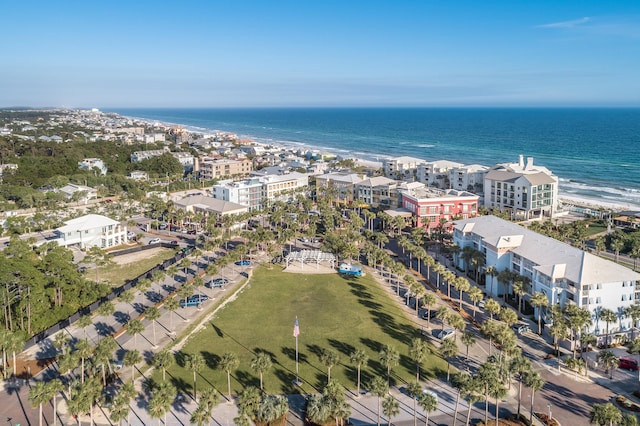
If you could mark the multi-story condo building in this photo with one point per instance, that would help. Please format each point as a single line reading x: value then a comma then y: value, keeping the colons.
x: 401, y: 168
x: 93, y: 163
x: 91, y: 230
x: 247, y: 192
x: 145, y: 155
x: 432, y: 208
x: 436, y: 173
x: 468, y: 178
x: 276, y: 187
x: 226, y: 168
x: 378, y: 192
x: 565, y: 274
x: 186, y: 159
x: 525, y: 190
x: 338, y: 185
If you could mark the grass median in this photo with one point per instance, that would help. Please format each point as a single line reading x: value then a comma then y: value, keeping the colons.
x: 334, y: 313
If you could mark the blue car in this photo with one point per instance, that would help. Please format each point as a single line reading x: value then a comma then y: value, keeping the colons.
x: 195, y: 300
x: 243, y: 262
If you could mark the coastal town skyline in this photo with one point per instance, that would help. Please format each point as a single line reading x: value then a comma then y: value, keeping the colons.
x: 261, y: 54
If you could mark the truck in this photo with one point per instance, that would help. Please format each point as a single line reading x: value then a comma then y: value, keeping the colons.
x: 349, y: 269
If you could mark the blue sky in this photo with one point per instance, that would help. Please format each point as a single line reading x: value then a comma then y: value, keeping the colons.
x: 320, y: 53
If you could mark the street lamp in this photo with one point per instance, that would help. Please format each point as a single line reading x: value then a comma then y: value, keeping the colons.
x: 549, y: 418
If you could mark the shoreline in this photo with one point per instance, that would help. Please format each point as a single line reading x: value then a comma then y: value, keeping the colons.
x: 367, y: 161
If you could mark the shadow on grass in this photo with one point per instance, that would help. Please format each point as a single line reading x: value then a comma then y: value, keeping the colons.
x: 247, y: 379
x: 342, y: 347
x: 291, y: 354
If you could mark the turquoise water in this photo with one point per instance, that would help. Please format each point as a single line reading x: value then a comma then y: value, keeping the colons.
x: 594, y: 152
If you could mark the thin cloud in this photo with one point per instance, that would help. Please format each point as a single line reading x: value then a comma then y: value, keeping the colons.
x: 566, y: 24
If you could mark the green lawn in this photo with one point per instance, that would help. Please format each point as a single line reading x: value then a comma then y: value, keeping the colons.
x: 333, y: 312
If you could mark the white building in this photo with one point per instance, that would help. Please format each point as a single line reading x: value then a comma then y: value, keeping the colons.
x: 341, y: 184
x: 139, y: 175
x: 145, y: 155
x: 565, y: 274
x: 85, y: 193
x: 209, y: 205
x: 93, y: 163
x: 281, y: 186
x: 402, y: 168
x: 91, y: 230
x: 247, y: 192
x: 186, y: 159
x: 468, y: 178
x: 436, y: 173
x: 525, y: 190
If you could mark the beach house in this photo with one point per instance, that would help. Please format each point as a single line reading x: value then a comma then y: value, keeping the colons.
x: 91, y: 230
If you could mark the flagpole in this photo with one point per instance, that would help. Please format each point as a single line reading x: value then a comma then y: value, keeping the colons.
x: 297, y: 380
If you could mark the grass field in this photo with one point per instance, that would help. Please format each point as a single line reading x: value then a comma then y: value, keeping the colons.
x: 334, y: 313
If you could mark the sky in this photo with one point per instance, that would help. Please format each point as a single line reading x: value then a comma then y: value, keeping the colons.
x: 279, y: 53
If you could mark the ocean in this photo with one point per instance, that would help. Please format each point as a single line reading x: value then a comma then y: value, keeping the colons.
x: 594, y: 152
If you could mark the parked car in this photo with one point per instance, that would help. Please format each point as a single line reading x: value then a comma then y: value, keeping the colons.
x: 154, y: 241
x: 628, y: 363
x: 174, y: 242
x: 217, y: 283
x: 162, y: 226
x: 426, y: 315
x: 446, y: 333
x: 191, y: 232
x: 243, y: 262
x: 521, y: 328
x: 481, y: 304
x: 195, y: 300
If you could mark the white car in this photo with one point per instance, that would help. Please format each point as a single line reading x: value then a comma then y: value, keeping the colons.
x: 154, y: 241
x: 446, y: 333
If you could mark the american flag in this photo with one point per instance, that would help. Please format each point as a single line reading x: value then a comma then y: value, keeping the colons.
x: 296, y: 328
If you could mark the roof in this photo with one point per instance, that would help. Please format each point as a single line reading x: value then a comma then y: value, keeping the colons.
x: 90, y: 221
x: 209, y: 203
x: 377, y: 181
x: 548, y: 254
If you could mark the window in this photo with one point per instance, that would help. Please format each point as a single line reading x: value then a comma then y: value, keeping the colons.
x: 598, y: 300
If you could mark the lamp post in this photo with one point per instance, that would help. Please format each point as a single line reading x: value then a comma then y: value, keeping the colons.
x: 549, y: 418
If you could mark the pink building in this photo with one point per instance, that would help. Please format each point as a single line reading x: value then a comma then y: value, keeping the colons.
x: 428, y: 206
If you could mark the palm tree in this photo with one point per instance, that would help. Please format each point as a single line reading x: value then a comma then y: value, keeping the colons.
x: 134, y: 327
x: 428, y: 300
x: 84, y: 322
x: 443, y: 315
x: 379, y: 387
x: 467, y: 339
x: 160, y: 402
x: 199, y: 416
x: 329, y: 359
x: 228, y: 362
x: 539, y: 300
x: 448, y: 349
x: 414, y: 390
x: 418, y: 351
x: 261, y: 363
x: 84, y: 350
x: 603, y: 414
x: 209, y: 398
x: 519, y: 290
x: 153, y: 314
x: 389, y: 357
x: 475, y: 295
x: 461, y: 382
x: 609, y: 360
x: 487, y: 376
x: 508, y: 316
x: 358, y: 358
x: 428, y: 403
x: 39, y: 395
x: 54, y: 386
x: 492, y: 307
x: 171, y: 305
x: 497, y: 391
x: 103, y: 354
x: 461, y: 284
x: 195, y: 363
x: 492, y: 272
x: 520, y: 366
x: 131, y: 358
x: 390, y: 407
x: 608, y: 316
x: 457, y: 322
x: 163, y: 360
x: 534, y: 382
